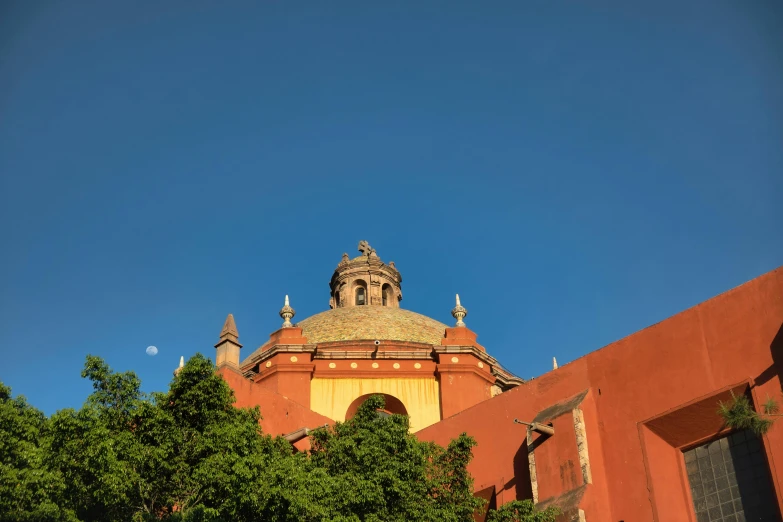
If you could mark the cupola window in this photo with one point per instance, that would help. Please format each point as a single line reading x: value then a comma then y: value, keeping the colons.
x: 361, y: 297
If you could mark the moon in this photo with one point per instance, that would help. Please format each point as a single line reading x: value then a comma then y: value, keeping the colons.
x: 152, y: 351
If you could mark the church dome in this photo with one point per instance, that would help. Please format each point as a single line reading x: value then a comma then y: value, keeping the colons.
x: 369, y: 323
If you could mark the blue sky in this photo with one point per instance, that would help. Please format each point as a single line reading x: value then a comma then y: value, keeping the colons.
x: 575, y: 172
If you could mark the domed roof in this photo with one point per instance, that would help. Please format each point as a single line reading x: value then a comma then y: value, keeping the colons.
x: 360, y: 323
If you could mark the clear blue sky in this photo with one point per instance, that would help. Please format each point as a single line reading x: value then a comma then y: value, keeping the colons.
x: 574, y: 172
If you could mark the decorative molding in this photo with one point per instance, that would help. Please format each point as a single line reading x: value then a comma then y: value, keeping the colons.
x: 380, y: 355
x: 446, y: 368
x: 284, y: 368
x: 370, y: 373
x: 260, y: 357
x: 367, y: 350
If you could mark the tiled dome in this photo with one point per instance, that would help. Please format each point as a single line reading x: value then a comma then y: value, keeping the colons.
x: 357, y: 323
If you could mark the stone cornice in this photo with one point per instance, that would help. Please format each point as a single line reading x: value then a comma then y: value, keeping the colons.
x: 370, y: 345
x: 221, y: 342
x: 348, y: 272
x: 364, y: 350
x: 464, y: 368
x: 375, y: 374
x: 483, y: 356
x: 505, y: 379
x: 262, y: 356
x: 281, y: 368
x: 379, y: 355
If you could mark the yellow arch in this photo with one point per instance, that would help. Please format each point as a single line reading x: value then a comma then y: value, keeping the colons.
x: 421, y: 397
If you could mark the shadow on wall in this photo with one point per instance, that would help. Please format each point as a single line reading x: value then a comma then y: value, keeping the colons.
x: 776, y: 369
x: 522, y: 484
x: 523, y: 487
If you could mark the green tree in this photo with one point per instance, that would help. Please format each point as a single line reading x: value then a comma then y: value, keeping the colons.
x: 189, y: 455
x: 128, y: 456
x: 29, y: 490
x: 371, y: 468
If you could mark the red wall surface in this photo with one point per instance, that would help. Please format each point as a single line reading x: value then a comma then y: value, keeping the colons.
x: 648, y: 396
x: 281, y: 415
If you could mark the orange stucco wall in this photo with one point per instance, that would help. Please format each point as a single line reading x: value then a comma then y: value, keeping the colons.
x: 281, y: 415
x: 733, y: 341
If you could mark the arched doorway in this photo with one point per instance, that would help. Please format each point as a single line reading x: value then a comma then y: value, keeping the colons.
x: 393, y: 405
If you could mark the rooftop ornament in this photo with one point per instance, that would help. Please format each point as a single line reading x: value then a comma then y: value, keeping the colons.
x: 287, y: 313
x: 366, y: 249
x: 459, y: 312
x: 181, y: 365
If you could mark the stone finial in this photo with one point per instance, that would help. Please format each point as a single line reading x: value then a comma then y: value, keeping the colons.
x: 229, y: 328
x: 287, y: 313
x: 459, y: 312
x: 345, y: 258
x: 228, y: 346
x: 554, y: 363
x: 181, y: 365
x: 392, y: 265
x: 366, y: 249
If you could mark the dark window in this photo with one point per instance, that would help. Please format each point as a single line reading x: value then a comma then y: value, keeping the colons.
x: 384, y: 300
x: 730, y: 480
x: 360, y: 297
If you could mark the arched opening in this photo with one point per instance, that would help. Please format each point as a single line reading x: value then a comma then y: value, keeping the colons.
x: 361, y: 293
x: 388, y: 295
x: 337, y: 299
x: 393, y: 405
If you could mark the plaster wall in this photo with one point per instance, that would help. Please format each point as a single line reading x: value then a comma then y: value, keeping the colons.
x: 692, y: 357
x: 280, y: 415
x: 332, y: 397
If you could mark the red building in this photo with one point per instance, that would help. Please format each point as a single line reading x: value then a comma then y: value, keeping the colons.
x: 628, y: 433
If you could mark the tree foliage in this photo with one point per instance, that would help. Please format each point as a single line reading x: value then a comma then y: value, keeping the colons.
x: 29, y: 489
x: 522, y: 511
x: 189, y: 455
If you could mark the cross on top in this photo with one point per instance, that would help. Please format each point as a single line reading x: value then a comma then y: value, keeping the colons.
x: 365, y: 248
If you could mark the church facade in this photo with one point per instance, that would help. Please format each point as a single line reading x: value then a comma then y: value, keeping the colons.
x: 629, y: 432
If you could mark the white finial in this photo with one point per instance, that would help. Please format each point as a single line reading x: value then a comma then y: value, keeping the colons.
x: 554, y: 363
x: 459, y: 312
x: 287, y: 313
x: 181, y: 361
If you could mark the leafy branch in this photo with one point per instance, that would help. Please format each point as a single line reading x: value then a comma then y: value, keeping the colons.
x: 738, y: 413
x: 523, y: 511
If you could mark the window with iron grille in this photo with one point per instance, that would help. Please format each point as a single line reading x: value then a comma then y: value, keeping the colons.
x: 730, y: 480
